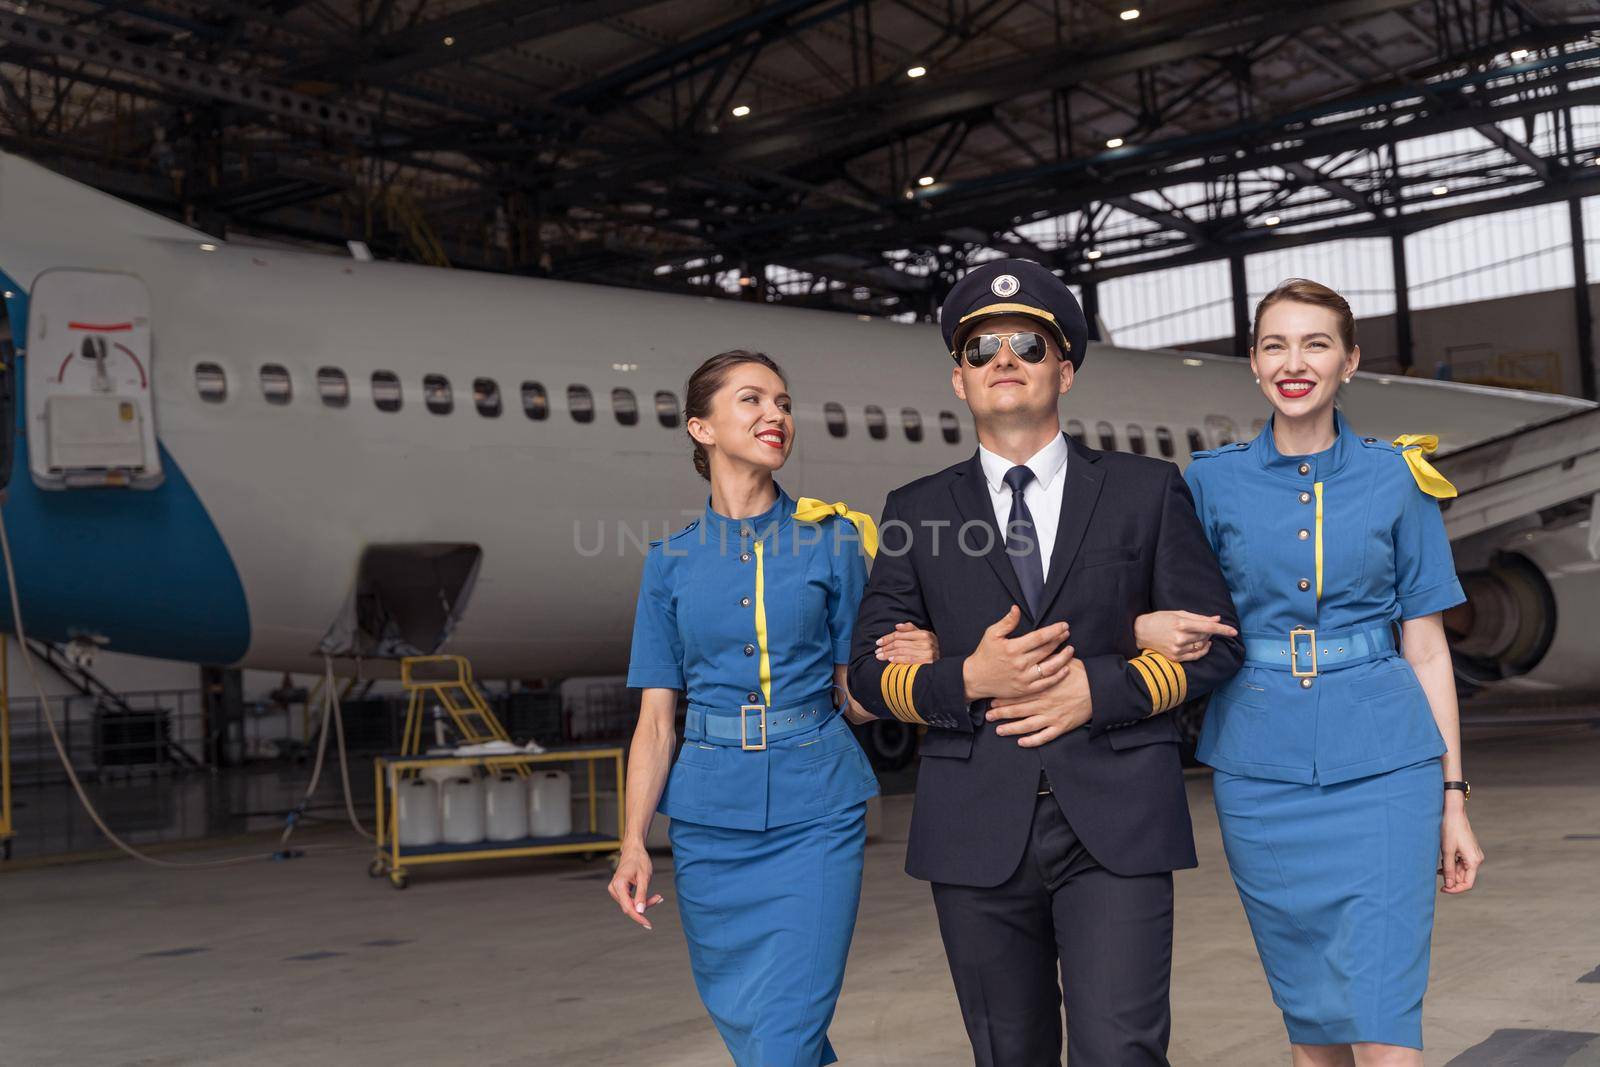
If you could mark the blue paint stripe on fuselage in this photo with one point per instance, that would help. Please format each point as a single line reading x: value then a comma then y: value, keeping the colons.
x: 146, y: 569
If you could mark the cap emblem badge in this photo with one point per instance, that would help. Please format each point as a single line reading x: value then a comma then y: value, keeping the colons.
x: 1005, y: 286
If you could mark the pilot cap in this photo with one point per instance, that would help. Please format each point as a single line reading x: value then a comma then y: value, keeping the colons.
x: 1016, y: 287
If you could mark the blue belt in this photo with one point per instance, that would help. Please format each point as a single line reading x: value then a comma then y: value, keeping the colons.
x: 751, y: 726
x: 1304, y: 652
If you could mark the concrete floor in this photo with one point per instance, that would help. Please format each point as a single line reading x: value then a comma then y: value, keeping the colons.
x: 529, y: 963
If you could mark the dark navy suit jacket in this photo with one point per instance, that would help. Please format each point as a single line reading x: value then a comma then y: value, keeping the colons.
x: 1128, y: 542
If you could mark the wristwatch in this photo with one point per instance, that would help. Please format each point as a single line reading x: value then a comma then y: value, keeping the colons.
x: 1465, y: 787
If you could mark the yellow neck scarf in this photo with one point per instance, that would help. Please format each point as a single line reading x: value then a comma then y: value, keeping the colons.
x: 809, y: 509
x: 1416, y: 445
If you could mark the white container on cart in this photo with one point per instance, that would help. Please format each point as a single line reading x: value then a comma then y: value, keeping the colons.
x: 506, y: 804
x: 461, y: 805
x: 418, y: 802
x: 549, y: 804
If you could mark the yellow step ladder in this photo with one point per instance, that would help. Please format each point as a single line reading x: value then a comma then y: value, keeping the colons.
x: 448, y: 679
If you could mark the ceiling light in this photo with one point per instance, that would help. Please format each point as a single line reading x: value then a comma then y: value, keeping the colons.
x: 1094, y: 253
x: 1440, y: 190
x: 925, y: 181
x: 746, y: 280
x: 448, y: 41
x: 911, y: 194
x: 1129, y: 14
x: 1519, y: 53
x: 741, y: 111
x: 1115, y: 142
x: 1272, y: 220
x: 916, y: 72
x: 208, y: 247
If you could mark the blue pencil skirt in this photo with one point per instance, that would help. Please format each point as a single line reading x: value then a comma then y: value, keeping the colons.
x: 1338, y: 882
x: 768, y: 915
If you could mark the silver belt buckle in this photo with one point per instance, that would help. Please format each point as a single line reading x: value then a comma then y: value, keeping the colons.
x: 744, y: 727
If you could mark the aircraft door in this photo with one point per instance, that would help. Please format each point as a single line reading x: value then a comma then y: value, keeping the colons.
x: 90, y: 419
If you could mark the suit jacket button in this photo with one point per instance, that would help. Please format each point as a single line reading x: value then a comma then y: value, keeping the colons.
x: 1305, y: 468
x: 1303, y: 534
x: 1305, y: 498
x: 744, y: 602
x: 751, y: 698
x: 1303, y: 584
x: 744, y: 557
x: 1305, y: 683
x: 749, y: 650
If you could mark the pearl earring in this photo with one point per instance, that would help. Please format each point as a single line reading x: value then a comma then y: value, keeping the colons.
x: 1258, y: 381
x: 1347, y: 379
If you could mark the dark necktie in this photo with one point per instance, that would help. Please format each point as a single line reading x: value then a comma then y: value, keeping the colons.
x: 1022, y: 540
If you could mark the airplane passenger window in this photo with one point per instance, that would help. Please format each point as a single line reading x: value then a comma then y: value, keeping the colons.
x: 1108, y: 436
x: 333, y: 387
x: 667, y: 409
x: 486, y: 395
x: 581, y: 403
x: 877, y: 424
x: 386, y: 393
x: 436, y: 394
x: 834, y: 413
x: 913, y: 423
x: 626, y: 406
x: 275, y: 383
x: 951, y: 427
x: 1136, y: 440
x: 211, y: 381
x: 1075, y: 430
x: 535, y: 402
x: 1196, y: 442
x: 1164, y: 441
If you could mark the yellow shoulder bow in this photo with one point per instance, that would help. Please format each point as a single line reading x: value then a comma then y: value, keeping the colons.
x: 1416, y: 445
x: 809, y: 509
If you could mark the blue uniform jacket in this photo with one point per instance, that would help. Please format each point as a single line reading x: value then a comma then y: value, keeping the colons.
x: 1337, y: 541
x: 755, y: 611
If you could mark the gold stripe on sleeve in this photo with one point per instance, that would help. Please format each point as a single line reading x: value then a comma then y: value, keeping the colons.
x: 906, y: 691
x: 1149, y: 683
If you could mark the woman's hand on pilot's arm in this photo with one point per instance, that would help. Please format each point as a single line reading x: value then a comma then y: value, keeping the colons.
x: 1180, y: 636
x: 649, y: 762
x: 1423, y: 643
x: 908, y: 644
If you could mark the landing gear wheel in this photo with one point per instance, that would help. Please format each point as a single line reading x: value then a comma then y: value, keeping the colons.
x: 399, y: 879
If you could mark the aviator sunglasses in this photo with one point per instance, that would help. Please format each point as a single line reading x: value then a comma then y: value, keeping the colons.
x: 980, y: 348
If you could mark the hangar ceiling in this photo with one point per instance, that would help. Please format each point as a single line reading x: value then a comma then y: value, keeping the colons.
x: 839, y: 153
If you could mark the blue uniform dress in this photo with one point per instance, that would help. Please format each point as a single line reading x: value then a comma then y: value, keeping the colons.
x: 1327, y: 785
x: 749, y: 617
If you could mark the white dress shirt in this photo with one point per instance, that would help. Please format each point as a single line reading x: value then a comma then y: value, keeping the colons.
x: 1042, y: 494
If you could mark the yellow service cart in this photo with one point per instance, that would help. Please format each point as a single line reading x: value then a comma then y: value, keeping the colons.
x: 394, y: 860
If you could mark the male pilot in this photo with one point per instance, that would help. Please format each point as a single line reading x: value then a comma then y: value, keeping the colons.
x: 1050, y: 809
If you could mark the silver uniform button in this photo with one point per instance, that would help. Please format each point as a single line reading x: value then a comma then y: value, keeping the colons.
x: 1303, y: 534
x: 1304, y: 584
x: 1305, y: 498
x: 744, y: 557
x: 1305, y: 683
x: 744, y: 602
x: 1305, y: 468
x: 749, y: 650
x: 751, y: 698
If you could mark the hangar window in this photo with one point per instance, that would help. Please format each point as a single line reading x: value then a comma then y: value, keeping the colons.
x: 912, y: 422
x: 1196, y: 442
x: 1108, y: 436
x: 535, y: 401
x: 212, y: 382
x: 667, y: 409
x: 626, y: 406
x: 1164, y: 441
x: 275, y: 384
x: 1075, y: 430
x: 581, y: 403
x: 951, y: 427
x: 486, y: 395
x: 386, y: 393
x: 333, y: 387
x: 1136, y: 439
x: 834, y: 413
x: 877, y: 424
x: 436, y: 394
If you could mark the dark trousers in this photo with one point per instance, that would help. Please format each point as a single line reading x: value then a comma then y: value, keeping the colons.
x: 1110, y: 936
